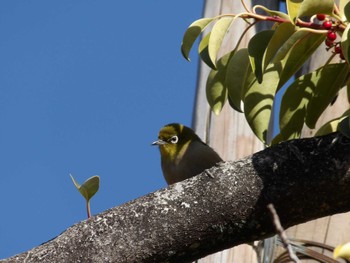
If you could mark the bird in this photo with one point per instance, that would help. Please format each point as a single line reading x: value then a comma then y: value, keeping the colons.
x: 183, y: 153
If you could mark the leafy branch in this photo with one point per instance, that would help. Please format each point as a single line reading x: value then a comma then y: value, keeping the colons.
x: 250, y: 77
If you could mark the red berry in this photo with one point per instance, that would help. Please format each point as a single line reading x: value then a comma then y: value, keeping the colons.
x: 327, y: 24
x: 337, y: 50
x: 328, y: 43
x: 331, y: 36
x: 321, y: 17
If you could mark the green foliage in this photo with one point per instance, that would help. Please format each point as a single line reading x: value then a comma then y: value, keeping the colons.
x: 251, y: 77
x: 306, y: 98
x: 331, y: 76
x: 299, y: 47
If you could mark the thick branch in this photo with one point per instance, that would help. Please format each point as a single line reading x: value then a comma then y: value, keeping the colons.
x: 304, y: 179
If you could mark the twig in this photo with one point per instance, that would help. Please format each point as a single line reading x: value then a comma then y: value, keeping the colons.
x: 244, y: 32
x: 282, y: 234
x: 245, y: 6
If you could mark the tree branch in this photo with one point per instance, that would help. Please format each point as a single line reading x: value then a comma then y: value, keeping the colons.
x: 304, y: 179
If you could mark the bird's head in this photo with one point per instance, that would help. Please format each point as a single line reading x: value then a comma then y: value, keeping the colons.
x: 172, y: 138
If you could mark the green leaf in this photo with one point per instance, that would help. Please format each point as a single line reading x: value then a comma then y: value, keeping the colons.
x: 332, y: 125
x: 344, y: 126
x: 217, y: 36
x: 256, y: 49
x: 312, y: 7
x: 328, y: 82
x: 273, y: 12
x: 233, y: 106
x: 293, y: 7
x: 345, y: 43
x: 293, y: 106
x: 344, y: 9
x: 258, y: 102
x: 281, y: 35
x: 89, y: 188
x: 238, y: 77
x: 302, y: 45
x: 329, y: 127
x: 192, y: 33
x: 216, y: 89
x: 203, y: 51
x: 277, y: 139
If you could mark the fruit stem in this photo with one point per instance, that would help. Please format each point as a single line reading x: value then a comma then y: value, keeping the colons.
x: 244, y: 32
x: 245, y: 6
x: 277, y: 19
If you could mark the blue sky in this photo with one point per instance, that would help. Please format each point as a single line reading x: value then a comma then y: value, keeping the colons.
x: 84, y: 88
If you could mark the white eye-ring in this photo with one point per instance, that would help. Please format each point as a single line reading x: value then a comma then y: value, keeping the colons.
x: 174, y: 139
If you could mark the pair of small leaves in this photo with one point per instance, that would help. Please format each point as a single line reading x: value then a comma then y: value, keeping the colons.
x: 89, y: 188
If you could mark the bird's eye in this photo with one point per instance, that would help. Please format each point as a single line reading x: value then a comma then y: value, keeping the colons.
x: 174, y: 139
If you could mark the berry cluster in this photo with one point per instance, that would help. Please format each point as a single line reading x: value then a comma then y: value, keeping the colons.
x: 331, y: 35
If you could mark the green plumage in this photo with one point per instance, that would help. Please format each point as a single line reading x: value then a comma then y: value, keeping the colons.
x: 183, y: 153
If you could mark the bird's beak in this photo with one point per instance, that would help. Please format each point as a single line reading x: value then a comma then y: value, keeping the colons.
x: 158, y: 142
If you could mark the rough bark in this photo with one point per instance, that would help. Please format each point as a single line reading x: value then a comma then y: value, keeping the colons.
x: 304, y: 179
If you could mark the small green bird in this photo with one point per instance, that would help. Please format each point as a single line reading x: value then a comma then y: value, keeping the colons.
x: 183, y: 153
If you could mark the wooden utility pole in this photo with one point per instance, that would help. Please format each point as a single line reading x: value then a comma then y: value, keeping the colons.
x: 228, y: 133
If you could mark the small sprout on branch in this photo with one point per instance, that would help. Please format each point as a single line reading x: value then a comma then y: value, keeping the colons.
x: 88, y: 189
